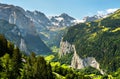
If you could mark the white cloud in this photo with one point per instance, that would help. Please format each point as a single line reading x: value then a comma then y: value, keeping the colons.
x: 111, y: 10
x: 104, y: 12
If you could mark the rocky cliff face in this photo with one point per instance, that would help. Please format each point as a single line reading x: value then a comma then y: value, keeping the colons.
x: 23, y: 45
x: 65, y: 48
x: 16, y: 15
x: 39, y: 19
x: 13, y: 34
x: 76, y: 61
x: 91, y: 61
x: 79, y: 63
x: 10, y: 31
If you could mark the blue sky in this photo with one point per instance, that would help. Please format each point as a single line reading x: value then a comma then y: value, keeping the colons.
x: 75, y: 8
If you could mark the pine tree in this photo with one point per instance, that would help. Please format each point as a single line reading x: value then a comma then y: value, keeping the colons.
x: 17, y: 63
x: 10, y: 48
x: 49, y: 72
x: 3, y: 45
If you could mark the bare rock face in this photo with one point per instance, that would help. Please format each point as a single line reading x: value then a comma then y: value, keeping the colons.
x: 16, y: 15
x: 39, y: 19
x: 10, y: 31
x: 79, y: 63
x: 76, y: 62
x: 65, y: 48
x: 91, y: 61
x: 23, y: 45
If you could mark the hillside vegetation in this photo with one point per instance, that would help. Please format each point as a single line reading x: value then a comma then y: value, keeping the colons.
x: 99, y: 39
x: 15, y: 65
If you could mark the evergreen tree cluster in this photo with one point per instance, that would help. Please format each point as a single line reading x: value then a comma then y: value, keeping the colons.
x: 16, y: 65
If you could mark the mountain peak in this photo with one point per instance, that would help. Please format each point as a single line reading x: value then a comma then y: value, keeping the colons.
x: 64, y: 15
x: 38, y: 12
x: 35, y: 12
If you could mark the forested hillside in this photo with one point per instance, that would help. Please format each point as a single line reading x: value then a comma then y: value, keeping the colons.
x: 14, y: 64
x: 99, y: 39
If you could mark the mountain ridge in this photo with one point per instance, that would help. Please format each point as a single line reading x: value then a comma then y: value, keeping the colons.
x: 37, y: 23
x: 16, y: 15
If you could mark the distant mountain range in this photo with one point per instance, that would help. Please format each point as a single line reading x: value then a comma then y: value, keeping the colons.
x: 35, y: 25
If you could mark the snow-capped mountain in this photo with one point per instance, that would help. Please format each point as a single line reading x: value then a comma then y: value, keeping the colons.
x: 62, y: 20
x: 41, y: 21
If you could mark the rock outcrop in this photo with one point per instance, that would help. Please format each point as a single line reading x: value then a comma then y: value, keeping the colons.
x: 76, y: 62
x: 91, y: 61
x: 65, y: 48
x: 23, y: 45
x: 79, y: 63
